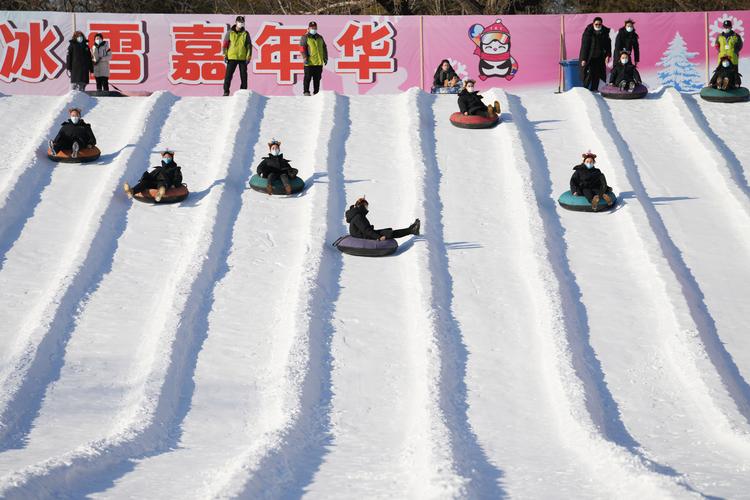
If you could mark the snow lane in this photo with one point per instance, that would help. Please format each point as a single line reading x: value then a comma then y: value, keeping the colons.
x: 117, y: 394
x: 693, y: 200
x: 49, y: 257
x: 677, y: 385
x: 587, y: 410
x: 380, y: 438
x: 28, y: 170
x: 242, y: 387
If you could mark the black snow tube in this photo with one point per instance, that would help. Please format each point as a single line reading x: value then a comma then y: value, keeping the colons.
x: 259, y: 183
x: 85, y: 155
x: 473, y: 121
x: 172, y: 195
x: 611, y: 92
x: 366, y: 248
x: 581, y: 204
x: 740, y: 94
x: 105, y: 93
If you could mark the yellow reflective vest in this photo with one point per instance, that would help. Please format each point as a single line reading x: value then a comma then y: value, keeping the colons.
x: 730, y: 46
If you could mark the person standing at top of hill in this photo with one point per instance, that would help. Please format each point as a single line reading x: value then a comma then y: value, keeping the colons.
x: 729, y: 43
x: 315, y: 55
x: 237, y: 53
x: 78, y: 61
x: 627, y: 41
x: 596, y: 51
x: 102, y: 55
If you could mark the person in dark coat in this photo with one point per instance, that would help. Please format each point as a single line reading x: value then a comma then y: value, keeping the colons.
x: 627, y: 41
x: 589, y: 181
x: 162, y: 177
x: 275, y: 166
x: 360, y: 227
x: 74, y: 134
x: 726, y: 75
x: 596, y: 51
x: 470, y: 103
x: 624, y: 74
x: 78, y: 61
x: 445, y: 75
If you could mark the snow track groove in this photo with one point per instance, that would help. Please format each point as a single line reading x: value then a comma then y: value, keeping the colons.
x: 133, y: 420
x: 58, y: 258
x: 30, y: 171
x: 587, y: 412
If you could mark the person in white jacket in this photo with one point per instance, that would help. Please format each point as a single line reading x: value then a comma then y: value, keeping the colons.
x: 102, y: 55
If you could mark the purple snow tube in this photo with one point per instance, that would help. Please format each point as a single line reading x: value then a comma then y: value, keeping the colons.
x: 612, y: 92
x: 366, y: 248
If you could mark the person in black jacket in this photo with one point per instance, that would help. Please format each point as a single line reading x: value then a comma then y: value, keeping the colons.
x: 624, y: 74
x: 275, y: 166
x: 74, y: 134
x: 445, y: 75
x: 596, y: 51
x: 726, y: 76
x: 470, y: 103
x: 78, y: 61
x: 627, y: 40
x: 360, y: 227
x: 162, y: 177
x: 589, y: 181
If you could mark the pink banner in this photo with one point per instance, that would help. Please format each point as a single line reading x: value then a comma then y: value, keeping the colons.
x: 183, y: 53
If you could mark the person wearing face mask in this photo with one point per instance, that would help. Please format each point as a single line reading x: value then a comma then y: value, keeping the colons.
x: 624, y: 74
x: 163, y: 177
x: 360, y: 227
x: 275, y: 166
x: 74, y: 135
x: 470, y: 102
x: 726, y: 76
x: 589, y: 181
x: 315, y: 56
x: 78, y: 62
x: 238, y: 51
x: 445, y: 78
x: 596, y: 51
x: 627, y: 41
x: 729, y: 43
x: 102, y: 55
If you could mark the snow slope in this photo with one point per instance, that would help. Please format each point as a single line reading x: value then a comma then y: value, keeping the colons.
x: 220, y: 348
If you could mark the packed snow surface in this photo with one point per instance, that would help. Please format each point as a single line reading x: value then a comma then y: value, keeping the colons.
x: 221, y: 348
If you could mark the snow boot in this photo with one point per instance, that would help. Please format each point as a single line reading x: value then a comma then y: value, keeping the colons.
x: 724, y: 83
x: 287, y: 189
x: 622, y: 85
x: 595, y: 203
x: 631, y: 87
x: 52, y: 147
x: 415, y: 227
x: 76, y: 148
x: 160, y: 193
x: 269, y: 188
x: 128, y: 191
x: 306, y: 93
x: 608, y: 199
x: 226, y: 94
x: 497, y: 107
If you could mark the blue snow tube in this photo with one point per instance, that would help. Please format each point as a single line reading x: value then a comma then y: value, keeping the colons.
x: 580, y: 204
x: 365, y: 248
x: 740, y: 94
x: 259, y: 183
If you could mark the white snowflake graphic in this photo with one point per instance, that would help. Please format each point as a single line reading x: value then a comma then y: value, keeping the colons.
x: 380, y: 20
x: 459, y: 68
x: 716, y: 27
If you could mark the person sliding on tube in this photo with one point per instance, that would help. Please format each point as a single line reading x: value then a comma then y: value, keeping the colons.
x: 589, y: 181
x: 162, y: 177
x: 470, y: 103
x: 75, y: 134
x: 275, y: 166
x: 360, y: 227
x: 726, y: 76
x: 624, y: 74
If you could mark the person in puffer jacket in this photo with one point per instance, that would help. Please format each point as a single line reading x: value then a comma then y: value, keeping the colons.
x: 470, y: 103
x: 360, y: 227
x: 624, y: 74
x: 726, y: 76
x: 162, y: 177
x: 102, y: 55
x: 74, y: 135
x: 275, y: 166
x: 589, y: 181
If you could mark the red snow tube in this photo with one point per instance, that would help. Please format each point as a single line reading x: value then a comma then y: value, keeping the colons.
x: 473, y: 121
x: 85, y: 155
x: 172, y: 195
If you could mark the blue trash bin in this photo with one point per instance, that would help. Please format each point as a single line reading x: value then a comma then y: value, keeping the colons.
x: 571, y: 74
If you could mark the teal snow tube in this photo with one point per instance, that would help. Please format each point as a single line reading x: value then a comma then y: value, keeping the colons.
x: 740, y: 94
x: 580, y: 204
x: 258, y: 183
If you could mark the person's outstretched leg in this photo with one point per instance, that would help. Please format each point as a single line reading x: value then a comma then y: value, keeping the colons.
x: 413, y: 229
x: 285, y: 182
x: 271, y: 179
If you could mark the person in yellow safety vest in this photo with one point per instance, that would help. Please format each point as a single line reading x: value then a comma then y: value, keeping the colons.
x: 315, y: 55
x: 237, y: 50
x: 729, y: 43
